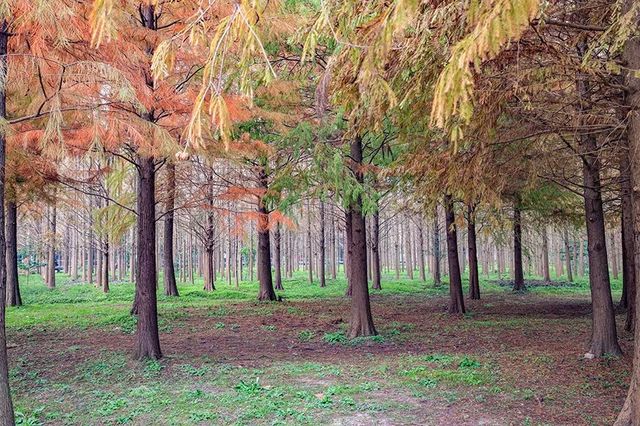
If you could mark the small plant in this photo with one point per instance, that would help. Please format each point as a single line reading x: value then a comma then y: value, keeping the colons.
x: 219, y: 325
x: 270, y: 327
x: 194, y: 371
x: 306, y: 335
x: 335, y: 337
x: 152, y: 368
x: 251, y: 388
x: 467, y: 362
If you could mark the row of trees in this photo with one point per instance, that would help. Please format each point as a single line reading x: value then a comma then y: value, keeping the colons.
x: 532, y: 109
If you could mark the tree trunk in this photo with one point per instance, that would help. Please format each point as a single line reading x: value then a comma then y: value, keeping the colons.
x: 13, y: 285
x: 309, y: 245
x: 630, y: 413
x: 437, y: 278
x: 170, y: 286
x: 407, y: 247
x: 604, y: 338
x: 361, y: 318
x: 518, y: 281
x: 264, y: 246
x: 51, y: 256
x: 322, y: 262
x: 628, y: 260
x: 456, y: 300
x: 147, y: 338
x: 567, y: 256
x: 474, y: 279
x: 6, y: 407
x: 545, y: 256
x: 277, y: 238
x: 375, y: 252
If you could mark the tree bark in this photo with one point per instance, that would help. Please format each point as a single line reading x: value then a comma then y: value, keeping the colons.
x: 518, y: 282
x: 147, y: 337
x: 628, y: 260
x: 437, y: 278
x: 474, y: 279
x: 567, y: 256
x: 264, y: 246
x: 375, y: 252
x: 604, y: 338
x: 361, y: 318
x: 13, y: 285
x: 51, y: 255
x: 545, y: 256
x: 6, y: 406
x: 456, y: 300
x: 323, y: 253
x: 630, y: 413
x: 277, y: 237
x: 170, y: 286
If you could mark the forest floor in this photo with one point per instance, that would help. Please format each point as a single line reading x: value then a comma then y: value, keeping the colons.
x: 513, y: 359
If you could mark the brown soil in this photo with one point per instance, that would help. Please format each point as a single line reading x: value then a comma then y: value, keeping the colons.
x: 536, y: 342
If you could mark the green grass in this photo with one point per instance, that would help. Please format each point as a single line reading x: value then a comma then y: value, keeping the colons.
x: 82, y: 306
x: 111, y: 388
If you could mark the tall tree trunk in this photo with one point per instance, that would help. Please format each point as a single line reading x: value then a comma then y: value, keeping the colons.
x: 604, y: 338
x: 309, y: 245
x: 545, y: 256
x: 277, y: 238
x: 51, y: 255
x: 518, y: 282
x: 6, y: 407
x: 437, y: 278
x: 456, y: 300
x: 421, y: 265
x: 630, y: 413
x: 567, y: 256
x: 170, y: 286
x: 628, y: 260
x: 13, y: 286
x: 323, y: 252
x: 474, y: 279
x: 147, y: 337
x: 375, y: 252
x: 407, y: 251
x: 361, y: 318
x: 264, y: 246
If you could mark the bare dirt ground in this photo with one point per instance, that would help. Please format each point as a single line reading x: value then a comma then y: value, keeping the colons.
x: 535, y: 343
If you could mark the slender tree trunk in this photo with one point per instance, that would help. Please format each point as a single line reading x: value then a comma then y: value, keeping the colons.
x: 518, y: 284
x: 456, y: 300
x: 630, y: 413
x: 264, y: 246
x: 437, y: 279
x: 421, y: 265
x: 545, y: 256
x: 51, y: 256
x: 322, y: 263
x: 13, y: 285
x: 567, y: 256
x: 628, y: 260
x: 407, y: 252
x: 361, y: 318
x: 309, y: 245
x: 170, y: 286
x: 474, y: 279
x: 278, y: 257
x: 604, y: 338
x: 6, y: 406
x: 614, y: 257
x: 147, y: 337
x: 375, y: 252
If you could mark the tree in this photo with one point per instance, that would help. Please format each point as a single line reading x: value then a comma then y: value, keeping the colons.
x: 456, y: 299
